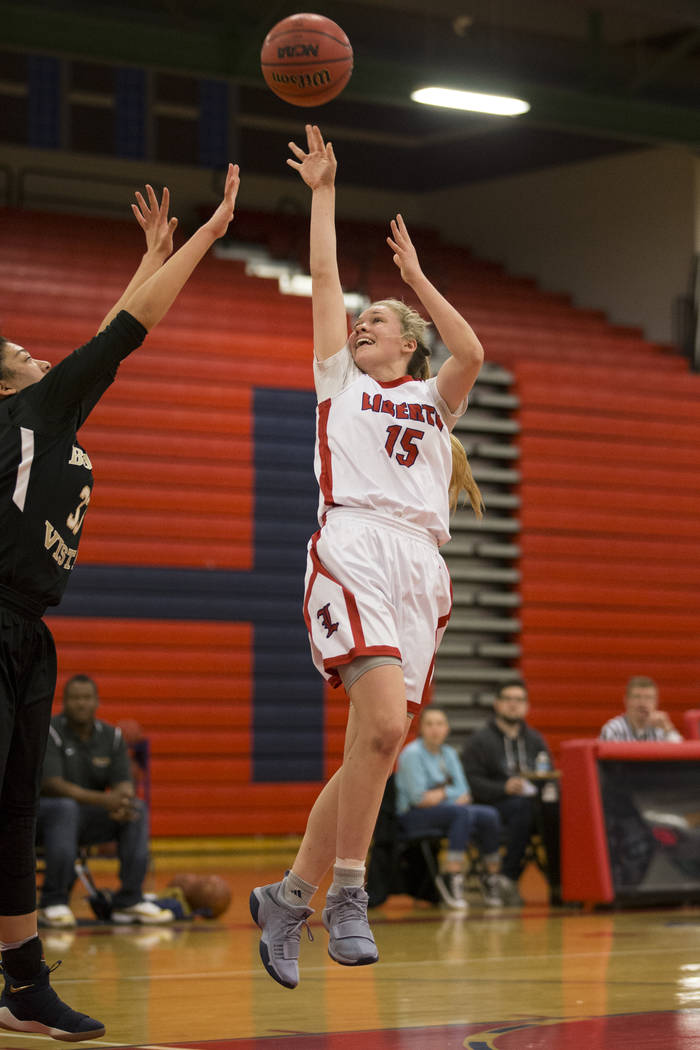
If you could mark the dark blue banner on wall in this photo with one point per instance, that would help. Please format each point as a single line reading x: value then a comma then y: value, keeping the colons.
x: 287, y: 692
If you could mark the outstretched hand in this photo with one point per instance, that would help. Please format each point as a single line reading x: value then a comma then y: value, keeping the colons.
x: 219, y: 222
x: 317, y: 166
x: 153, y: 220
x: 405, y: 255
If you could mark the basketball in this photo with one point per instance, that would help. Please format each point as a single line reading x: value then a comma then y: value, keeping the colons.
x: 306, y: 59
x: 207, y: 895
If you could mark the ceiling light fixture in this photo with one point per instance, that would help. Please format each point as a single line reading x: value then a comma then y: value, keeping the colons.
x: 476, y: 102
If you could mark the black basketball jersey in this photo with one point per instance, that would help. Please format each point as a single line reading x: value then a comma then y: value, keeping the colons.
x: 45, y: 474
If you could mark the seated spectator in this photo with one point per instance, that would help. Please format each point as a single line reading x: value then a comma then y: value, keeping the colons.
x: 88, y: 797
x: 432, y: 792
x: 642, y: 720
x: 494, y: 760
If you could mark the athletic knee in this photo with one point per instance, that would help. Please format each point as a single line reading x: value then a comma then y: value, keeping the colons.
x: 385, y: 739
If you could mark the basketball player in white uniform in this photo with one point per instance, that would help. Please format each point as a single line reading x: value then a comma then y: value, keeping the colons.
x: 378, y: 593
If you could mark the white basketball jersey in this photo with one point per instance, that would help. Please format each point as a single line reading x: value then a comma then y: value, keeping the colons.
x: 383, y: 446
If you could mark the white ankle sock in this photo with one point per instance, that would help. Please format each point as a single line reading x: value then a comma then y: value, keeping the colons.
x: 296, y: 891
x: 347, y: 872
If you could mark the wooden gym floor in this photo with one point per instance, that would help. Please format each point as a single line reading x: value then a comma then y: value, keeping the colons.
x: 529, y: 979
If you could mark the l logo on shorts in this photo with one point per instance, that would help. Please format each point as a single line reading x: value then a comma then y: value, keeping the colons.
x: 324, y: 616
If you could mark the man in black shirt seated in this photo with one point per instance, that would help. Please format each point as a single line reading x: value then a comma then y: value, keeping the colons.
x: 88, y: 797
x: 497, y: 761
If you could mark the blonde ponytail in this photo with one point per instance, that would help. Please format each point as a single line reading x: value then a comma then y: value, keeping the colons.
x: 463, y: 479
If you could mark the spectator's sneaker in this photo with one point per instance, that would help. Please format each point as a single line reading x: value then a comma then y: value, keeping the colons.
x: 57, y: 917
x: 491, y: 891
x: 450, y: 886
x: 281, y: 924
x: 345, y: 917
x: 145, y: 912
x: 510, y: 894
x: 33, y: 1006
x: 455, y: 885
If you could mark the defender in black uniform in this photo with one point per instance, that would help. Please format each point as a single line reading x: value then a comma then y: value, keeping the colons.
x: 45, y: 487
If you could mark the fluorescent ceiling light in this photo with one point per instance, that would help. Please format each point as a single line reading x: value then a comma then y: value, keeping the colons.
x: 471, y: 100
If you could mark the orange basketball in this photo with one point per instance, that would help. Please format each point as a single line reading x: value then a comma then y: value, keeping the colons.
x: 306, y: 59
x: 207, y: 895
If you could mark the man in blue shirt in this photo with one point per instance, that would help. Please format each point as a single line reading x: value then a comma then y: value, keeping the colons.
x: 432, y: 792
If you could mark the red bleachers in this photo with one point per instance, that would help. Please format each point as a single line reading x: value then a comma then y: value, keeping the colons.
x: 609, y: 443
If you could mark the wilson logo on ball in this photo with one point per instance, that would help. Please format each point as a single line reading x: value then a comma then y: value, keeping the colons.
x: 319, y: 78
x: 306, y: 59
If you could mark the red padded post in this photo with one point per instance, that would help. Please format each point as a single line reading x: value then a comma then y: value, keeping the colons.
x: 691, y: 724
x: 585, y: 862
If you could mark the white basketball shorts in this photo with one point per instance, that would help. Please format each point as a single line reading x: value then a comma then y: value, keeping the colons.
x: 376, y: 587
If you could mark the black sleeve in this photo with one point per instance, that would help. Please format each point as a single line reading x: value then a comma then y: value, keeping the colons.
x: 121, y: 765
x: 76, y: 384
x: 486, y: 781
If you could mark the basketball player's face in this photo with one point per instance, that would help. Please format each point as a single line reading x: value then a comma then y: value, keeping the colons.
x: 21, y: 369
x: 377, y: 344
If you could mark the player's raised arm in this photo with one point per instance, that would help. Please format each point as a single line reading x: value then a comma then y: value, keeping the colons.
x: 317, y: 168
x: 458, y: 374
x: 153, y: 219
x: 152, y: 300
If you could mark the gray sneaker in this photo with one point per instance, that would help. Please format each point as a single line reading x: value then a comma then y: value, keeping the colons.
x: 281, y: 924
x: 491, y: 890
x: 510, y: 892
x: 345, y: 917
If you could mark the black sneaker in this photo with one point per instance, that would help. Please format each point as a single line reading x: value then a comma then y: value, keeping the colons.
x: 450, y: 886
x: 33, y: 1006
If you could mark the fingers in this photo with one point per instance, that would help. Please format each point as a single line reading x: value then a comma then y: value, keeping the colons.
x: 298, y: 153
x: 318, y: 138
x: 232, y: 182
x: 152, y: 209
x: 139, y: 217
x: 398, y: 229
x: 314, y: 140
x: 313, y: 135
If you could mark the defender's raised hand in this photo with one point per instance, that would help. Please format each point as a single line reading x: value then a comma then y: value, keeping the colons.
x: 318, y: 165
x: 153, y: 220
x: 219, y: 222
